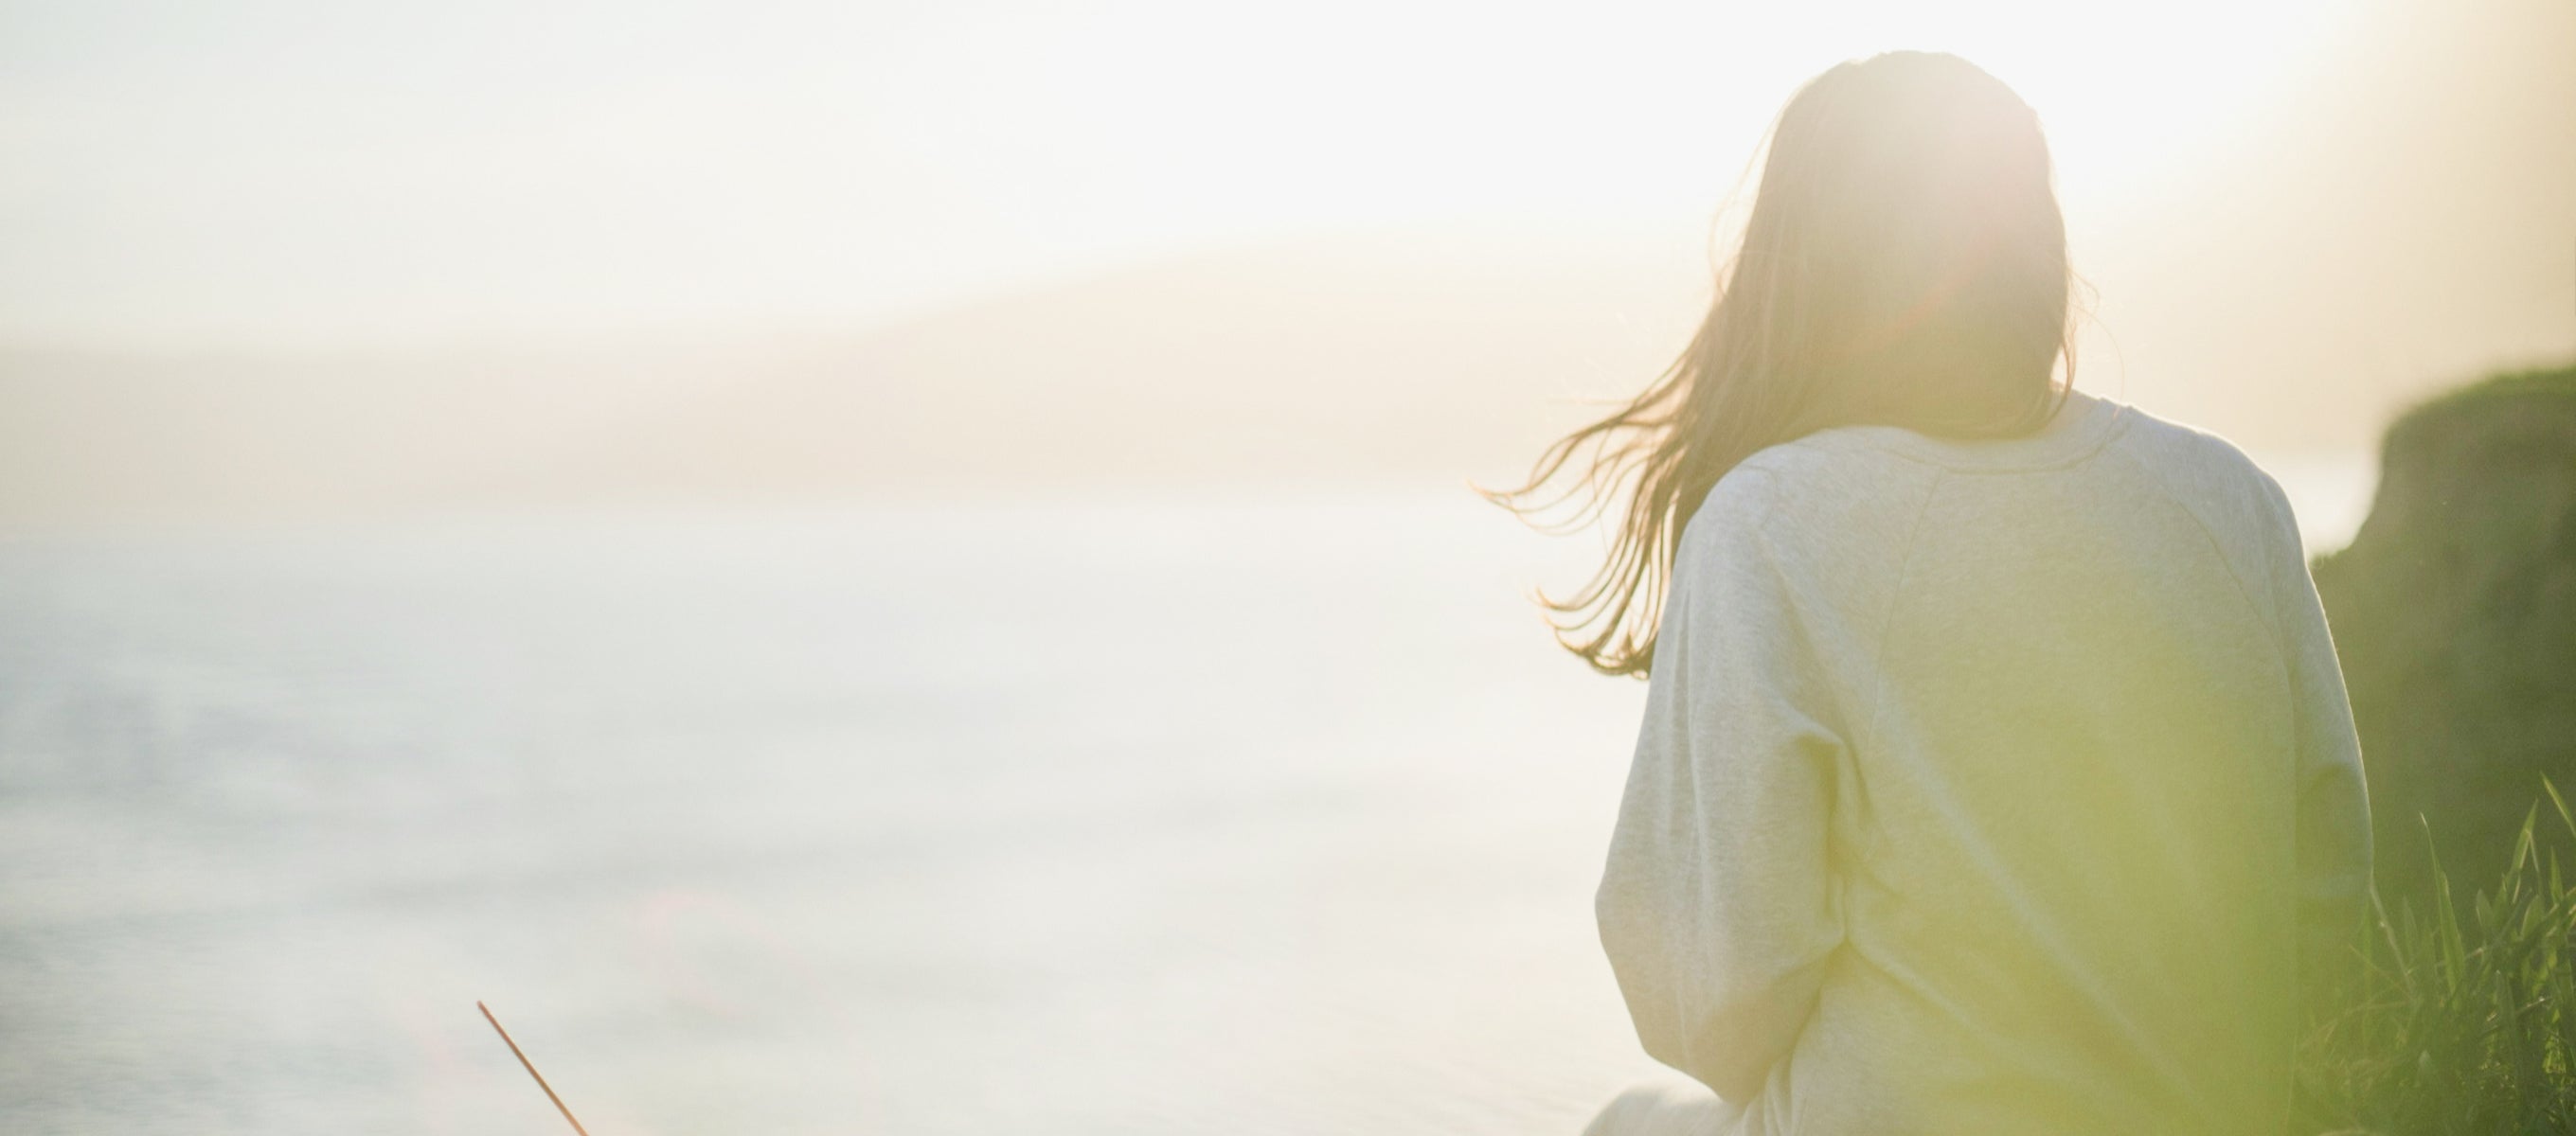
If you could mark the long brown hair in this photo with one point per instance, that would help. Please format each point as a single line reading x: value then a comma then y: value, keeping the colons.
x: 1904, y: 264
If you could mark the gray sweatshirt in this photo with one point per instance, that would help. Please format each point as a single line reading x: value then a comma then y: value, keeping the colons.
x: 1989, y: 787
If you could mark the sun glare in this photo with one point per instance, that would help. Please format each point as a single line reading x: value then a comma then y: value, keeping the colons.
x: 2134, y: 93
x: 1260, y: 126
x: 828, y: 165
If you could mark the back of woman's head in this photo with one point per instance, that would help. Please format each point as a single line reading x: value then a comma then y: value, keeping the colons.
x: 1904, y: 263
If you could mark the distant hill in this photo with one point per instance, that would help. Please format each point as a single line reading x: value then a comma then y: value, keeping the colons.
x: 1316, y: 364
x: 1322, y: 362
x: 1424, y: 356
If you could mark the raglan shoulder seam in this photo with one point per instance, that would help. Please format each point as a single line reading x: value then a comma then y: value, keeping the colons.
x: 2267, y: 603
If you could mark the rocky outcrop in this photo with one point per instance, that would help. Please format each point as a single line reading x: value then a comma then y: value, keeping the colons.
x: 2454, y: 611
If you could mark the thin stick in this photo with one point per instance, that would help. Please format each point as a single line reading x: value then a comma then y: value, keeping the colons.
x: 531, y: 1068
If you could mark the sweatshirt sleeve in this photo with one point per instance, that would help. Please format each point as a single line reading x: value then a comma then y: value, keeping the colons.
x: 2333, y: 838
x: 1716, y: 907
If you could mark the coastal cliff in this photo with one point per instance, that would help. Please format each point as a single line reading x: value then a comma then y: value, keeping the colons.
x: 2454, y: 611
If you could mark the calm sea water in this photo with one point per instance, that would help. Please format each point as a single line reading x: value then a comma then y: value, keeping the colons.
x: 1274, y: 814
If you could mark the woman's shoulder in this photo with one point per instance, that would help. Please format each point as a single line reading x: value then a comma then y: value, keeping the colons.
x: 2209, y: 474
x: 1834, y: 462
x: 2183, y: 445
x: 1840, y: 492
x: 1815, y: 497
x: 1831, y: 470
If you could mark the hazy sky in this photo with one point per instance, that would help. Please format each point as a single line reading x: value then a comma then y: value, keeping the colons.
x: 204, y: 174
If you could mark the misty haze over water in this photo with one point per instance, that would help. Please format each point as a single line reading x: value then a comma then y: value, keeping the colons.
x: 1244, y: 812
